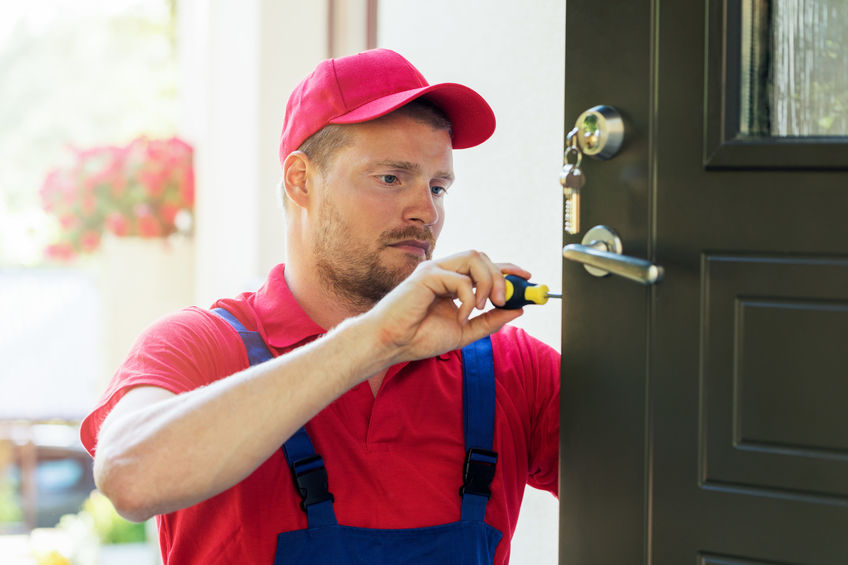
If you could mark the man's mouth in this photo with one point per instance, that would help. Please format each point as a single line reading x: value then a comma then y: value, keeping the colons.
x: 413, y: 246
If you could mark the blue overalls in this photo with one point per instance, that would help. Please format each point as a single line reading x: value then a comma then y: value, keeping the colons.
x: 469, y: 541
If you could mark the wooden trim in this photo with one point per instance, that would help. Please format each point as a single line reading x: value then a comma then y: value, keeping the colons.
x: 371, y: 25
x: 331, y: 29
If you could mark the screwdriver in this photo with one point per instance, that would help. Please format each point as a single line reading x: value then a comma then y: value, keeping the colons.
x: 520, y: 292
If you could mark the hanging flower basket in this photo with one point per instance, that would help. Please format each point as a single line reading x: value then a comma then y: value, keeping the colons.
x: 144, y: 189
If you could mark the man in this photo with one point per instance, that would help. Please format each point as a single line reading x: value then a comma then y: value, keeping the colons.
x: 190, y: 432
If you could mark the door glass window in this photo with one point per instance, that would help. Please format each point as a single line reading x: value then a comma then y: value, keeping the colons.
x: 794, y: 67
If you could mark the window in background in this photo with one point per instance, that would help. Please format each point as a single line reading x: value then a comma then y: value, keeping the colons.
x: 74, y: 75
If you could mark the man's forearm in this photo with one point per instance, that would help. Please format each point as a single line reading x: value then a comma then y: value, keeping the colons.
x: 180, y: 450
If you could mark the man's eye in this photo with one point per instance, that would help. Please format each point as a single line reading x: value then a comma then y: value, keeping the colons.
x: 438, y: 190
x: 388, y: 179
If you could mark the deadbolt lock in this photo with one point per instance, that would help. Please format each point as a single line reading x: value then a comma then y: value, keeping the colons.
x: 600, y: 132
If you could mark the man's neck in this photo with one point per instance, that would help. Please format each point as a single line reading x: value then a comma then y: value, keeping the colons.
x: 323, y: 307
x: 320, y: 303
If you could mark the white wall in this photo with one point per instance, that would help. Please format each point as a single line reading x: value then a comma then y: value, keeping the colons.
x: 507, y: 200
x: 240, y: 61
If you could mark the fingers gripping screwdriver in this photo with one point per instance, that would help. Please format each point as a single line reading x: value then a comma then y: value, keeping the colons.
x: 520, y: 293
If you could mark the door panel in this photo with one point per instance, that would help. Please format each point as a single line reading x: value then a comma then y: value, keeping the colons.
x: 703, y: 418
x: 773, y: 418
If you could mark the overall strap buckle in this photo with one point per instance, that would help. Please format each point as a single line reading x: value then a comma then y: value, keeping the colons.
x: 310, y: 478
x: 478, y: 472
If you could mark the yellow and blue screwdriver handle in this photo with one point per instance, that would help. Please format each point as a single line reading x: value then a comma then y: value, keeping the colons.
x: 520, y: 293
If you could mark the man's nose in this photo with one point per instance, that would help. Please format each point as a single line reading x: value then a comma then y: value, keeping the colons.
x: 423, y: 207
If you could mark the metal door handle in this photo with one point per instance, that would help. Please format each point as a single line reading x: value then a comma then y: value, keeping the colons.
x: 600, y: 254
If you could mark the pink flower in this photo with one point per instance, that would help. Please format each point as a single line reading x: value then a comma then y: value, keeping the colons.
x: 141, y: 188
x: 117, y: 223
x: 60, y: 251
x: 89, y: 241
x: 168, y: 212
x: 187, y: 187
x: 118, y: 187
x: 147, y: 224
x: 69, y: 222
x: 89, y: 204
x: 154, y: 181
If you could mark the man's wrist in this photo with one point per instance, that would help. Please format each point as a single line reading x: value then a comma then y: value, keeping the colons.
x: 366, y: 353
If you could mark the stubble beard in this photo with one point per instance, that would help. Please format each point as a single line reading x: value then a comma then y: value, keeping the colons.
x: 355, y: 274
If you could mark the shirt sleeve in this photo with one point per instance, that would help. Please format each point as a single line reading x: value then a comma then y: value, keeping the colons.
x: 544, y: 437
x: 180, y: 352
x: 540, y: 381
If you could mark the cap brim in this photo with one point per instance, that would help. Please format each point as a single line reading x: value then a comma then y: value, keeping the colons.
x: 472, y: 120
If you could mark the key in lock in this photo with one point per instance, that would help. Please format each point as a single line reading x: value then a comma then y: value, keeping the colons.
x: 572, y: 180
x: 598, y: 132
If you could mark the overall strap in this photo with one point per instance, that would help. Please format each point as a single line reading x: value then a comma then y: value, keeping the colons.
x: 307, y: 467
x: 478, y: 376
x: 310, y: 479
x: 257, y: 351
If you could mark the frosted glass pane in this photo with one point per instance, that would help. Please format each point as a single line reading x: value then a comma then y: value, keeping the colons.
x: 794, y: 68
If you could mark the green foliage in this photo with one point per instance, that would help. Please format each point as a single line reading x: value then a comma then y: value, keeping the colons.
x: 10, y: 509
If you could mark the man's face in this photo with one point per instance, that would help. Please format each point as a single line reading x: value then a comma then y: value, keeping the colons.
x: 380, y: 206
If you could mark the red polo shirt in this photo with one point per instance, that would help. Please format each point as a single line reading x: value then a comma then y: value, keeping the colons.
x: 394, y: 461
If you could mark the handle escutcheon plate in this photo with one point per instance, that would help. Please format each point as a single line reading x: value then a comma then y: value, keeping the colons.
x: 600, y: 254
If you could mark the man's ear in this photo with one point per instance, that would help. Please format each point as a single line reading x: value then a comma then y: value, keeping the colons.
x: 296, y: 178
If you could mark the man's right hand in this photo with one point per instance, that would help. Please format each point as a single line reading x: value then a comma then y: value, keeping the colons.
x: 420, y: 318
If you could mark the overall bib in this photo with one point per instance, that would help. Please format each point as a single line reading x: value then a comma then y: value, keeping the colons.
x: 468, y: 541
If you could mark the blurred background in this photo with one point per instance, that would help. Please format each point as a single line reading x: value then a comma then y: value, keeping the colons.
x: 138, y: 174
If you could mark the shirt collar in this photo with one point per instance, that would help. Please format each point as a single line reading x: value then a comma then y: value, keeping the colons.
x: 284, y: 322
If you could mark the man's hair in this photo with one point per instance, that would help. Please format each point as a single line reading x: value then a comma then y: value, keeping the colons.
x: 322, y: 145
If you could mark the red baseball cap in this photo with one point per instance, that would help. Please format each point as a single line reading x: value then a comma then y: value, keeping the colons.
x: 365, y: 86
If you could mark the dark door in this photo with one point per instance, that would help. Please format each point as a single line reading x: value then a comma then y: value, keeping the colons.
x: 705, y: 418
